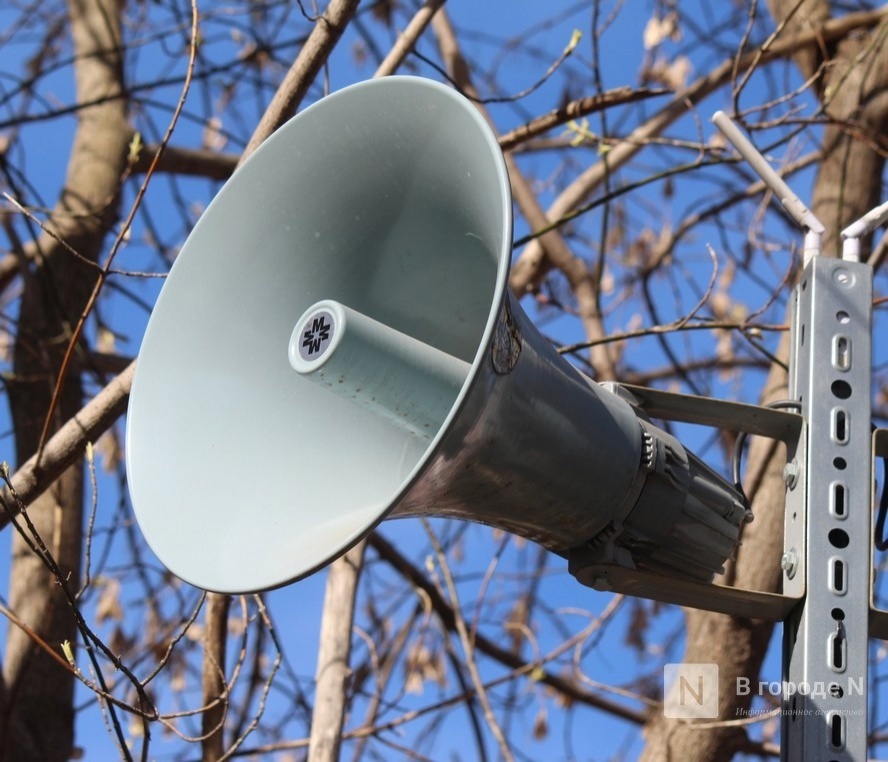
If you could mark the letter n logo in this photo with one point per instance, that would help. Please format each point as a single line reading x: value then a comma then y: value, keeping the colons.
x: 690, y: 691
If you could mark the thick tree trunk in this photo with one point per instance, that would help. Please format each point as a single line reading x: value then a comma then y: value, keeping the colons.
x: 37, y: 713
x: 848, y: 185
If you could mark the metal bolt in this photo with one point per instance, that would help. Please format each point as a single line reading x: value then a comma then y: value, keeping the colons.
x: 602, y: 583
x: 791, y: 473
x: 789, y: 561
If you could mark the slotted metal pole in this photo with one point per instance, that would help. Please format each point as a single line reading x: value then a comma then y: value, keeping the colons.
x: 826, y: 637
x: 828, y: 507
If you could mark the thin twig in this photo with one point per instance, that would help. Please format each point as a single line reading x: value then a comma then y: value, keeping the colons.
x: 673, y: 327
x: 467, y: 644
x: 575, y: 110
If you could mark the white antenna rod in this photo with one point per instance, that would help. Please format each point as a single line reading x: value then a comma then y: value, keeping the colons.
x: 794, y: 206
x: 852, y: 234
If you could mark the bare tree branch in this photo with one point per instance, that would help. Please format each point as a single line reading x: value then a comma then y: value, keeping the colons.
x: 305, y: 68
x: 67, y: 445
x: 334, y: 670
x: 215, y: 688
x: 407, y: 39
x: 530, y: 265
x: 578, y: 274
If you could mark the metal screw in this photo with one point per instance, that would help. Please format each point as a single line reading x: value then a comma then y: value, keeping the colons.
x: 791, y: 473
x: 602, y: 583
x: 789, y: 561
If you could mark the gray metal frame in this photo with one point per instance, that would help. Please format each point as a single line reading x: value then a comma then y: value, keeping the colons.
x: 826, y: 636
x: 827, y: 599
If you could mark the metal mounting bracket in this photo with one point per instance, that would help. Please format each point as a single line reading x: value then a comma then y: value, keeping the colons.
x: 789, y: 428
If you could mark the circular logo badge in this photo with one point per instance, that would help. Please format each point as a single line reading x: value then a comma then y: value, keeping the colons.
x: 316, y: 335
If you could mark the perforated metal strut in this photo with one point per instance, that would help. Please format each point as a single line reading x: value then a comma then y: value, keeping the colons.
x: 826, y: 637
